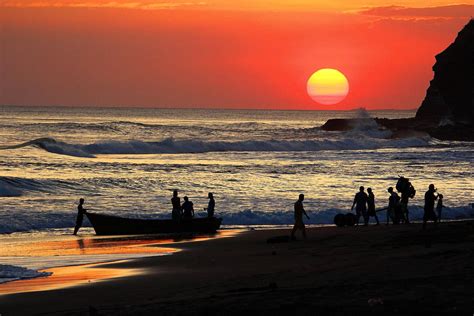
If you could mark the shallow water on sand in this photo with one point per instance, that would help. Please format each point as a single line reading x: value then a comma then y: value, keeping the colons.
x: 35, y: 254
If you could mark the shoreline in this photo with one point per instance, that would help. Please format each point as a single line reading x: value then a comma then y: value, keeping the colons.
x: 376, y: 269
x: 65, y: 261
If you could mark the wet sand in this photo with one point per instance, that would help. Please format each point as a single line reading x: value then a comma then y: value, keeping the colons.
x: 68, y: 276
x: 78, y: 260
x: 362, y: 270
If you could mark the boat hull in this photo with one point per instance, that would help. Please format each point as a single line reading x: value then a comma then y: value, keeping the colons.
x: 115, y: 225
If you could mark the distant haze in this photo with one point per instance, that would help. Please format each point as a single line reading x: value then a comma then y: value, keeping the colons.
x: 221, y: 53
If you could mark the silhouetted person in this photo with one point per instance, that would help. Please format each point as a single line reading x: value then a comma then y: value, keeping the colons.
x: 404, y: 207
x: 211, y: 205
x: 393, y: 205
x: 439, y: 207
x: 407, y: 191
x: 80, y: 215
x: 360, y: 202
x: 188, y: 208
x: 176, y: 202
x: 371, y: 205
x: 430, y: 198
x: 299, y: 211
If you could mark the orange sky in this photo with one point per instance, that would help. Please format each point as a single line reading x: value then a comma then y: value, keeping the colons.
x: 257, y: 54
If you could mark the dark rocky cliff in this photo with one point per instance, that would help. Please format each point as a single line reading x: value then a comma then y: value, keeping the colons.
x: 450, y: 95
x: 447, y: 112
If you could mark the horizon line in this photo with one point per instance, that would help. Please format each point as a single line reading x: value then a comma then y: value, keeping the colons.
x: 200, y: 108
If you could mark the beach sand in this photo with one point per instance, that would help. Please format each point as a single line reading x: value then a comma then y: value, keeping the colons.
x: 344, y: 271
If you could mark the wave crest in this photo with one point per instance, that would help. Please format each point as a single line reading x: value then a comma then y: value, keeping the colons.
x: 172, y: 146
x: 13, y: 186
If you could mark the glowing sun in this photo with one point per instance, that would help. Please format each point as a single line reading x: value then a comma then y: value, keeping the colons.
x: 328, y: 86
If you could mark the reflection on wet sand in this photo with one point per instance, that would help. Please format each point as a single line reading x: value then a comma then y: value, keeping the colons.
x: 66, y: 277
x: 73, y: 275
x: 100, y: 245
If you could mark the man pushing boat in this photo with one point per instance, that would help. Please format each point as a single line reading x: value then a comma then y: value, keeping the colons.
x: 80, y: 215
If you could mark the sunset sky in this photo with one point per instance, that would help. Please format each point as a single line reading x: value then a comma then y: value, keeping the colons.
x: 221, y: 53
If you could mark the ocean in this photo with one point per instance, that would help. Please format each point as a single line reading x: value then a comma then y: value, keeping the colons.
x: 128, y: 161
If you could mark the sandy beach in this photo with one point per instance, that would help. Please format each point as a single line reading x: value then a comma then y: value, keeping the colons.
x: 342, y: 271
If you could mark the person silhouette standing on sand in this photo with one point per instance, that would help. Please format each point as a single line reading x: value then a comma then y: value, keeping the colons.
x: 80, y: 216
x: 439, y: 207
x: 211, y: 205
x: 393, y: 205
x: 430, y: 199
x: 407, y: 191
x: 299, y: 211
x: 360, y: 202
x: 371, y: 205
x: 188, y: 208
x: 176, y: 202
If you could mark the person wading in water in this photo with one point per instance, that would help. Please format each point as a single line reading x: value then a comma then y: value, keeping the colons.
x: 176, y: 202
x: 211, y: 206
x: 188, y: 208
x: 80, y: 216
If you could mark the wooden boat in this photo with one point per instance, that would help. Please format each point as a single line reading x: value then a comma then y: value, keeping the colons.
x: 115, y: 225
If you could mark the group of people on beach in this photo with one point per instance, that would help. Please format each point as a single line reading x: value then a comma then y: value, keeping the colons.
x: 397, y: 209
x: 186, y: 210
x: 364, y: 204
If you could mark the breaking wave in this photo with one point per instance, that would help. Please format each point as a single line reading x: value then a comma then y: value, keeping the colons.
x: 172, y: 146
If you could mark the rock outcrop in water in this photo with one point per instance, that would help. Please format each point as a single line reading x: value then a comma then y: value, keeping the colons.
x: 447, y: 112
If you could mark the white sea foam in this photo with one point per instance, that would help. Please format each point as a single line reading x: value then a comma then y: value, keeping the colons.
x: 13, y: 273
